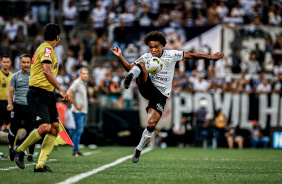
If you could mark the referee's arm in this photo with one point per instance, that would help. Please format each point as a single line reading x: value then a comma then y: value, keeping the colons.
x: 10, y: 98
x: 47, y: 71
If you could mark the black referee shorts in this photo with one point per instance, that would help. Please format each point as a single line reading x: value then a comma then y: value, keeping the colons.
x: 5, y: 115
x: 42, y: 104
x: 156, y: 99
x: 21, y: 113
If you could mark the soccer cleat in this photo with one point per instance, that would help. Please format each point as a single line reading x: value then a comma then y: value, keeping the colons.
x: 19, y: 158
x: 44, y: 169
x: 128, y: 80
x: 30, y: 158
x: 136, y: 155
x: 11, y: 155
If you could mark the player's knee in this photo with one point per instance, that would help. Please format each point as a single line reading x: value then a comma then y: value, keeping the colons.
x: 45, y: 128
x: 152, y: 122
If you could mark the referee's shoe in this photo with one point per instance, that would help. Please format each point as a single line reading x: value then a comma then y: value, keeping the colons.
x: 19, y: 158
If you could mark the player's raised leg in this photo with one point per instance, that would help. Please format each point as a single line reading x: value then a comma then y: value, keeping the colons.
x: 138, y: 70
x: 153, y: 119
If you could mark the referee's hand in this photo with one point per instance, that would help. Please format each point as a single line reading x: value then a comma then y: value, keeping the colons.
x: 10, y: 107
x: 64, y: 95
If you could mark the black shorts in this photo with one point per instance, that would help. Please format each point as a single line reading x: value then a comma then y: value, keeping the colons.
x: 42, y: 104
x: 5, y: 115
x: 156, y: 99
x: 21, y: 113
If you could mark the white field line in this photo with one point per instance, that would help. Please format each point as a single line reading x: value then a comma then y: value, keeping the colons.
x: 81, y: 176
x: 16, y: 167
x: 90, y: 153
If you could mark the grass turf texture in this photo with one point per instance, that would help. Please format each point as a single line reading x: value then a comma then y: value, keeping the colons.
x: 170, y: 165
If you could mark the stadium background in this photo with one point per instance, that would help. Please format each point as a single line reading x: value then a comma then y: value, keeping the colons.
x: 194, y: 26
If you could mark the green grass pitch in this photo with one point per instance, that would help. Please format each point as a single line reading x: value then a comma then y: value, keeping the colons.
x: 170, y: 166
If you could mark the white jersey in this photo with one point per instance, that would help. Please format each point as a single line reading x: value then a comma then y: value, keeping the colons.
x: 163, y: 80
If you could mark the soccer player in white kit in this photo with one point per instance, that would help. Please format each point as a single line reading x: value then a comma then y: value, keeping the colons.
x: 155, y: 87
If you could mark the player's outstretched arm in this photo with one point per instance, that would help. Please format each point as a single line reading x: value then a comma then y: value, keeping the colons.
x: 47, y: 71
x: 116, y: 50
x: 215, y: 57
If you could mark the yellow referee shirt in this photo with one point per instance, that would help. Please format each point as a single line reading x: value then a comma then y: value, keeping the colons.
x: 4, y: 84
x: 37, y: 79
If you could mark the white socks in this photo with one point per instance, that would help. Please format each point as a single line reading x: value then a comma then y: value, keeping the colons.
x: 146, y: 136
x: 136, y: 71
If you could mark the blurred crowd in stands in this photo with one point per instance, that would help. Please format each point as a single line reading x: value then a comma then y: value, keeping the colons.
x: 91, y: 28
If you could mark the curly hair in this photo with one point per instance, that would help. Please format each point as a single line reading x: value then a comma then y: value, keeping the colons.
x: 155, y: 36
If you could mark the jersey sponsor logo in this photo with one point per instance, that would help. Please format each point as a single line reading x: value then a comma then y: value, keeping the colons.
x: 160, y: 107
x: 48, y: 52
x: 160, y: 78
x: 4, y: 85
x: 178, y: 54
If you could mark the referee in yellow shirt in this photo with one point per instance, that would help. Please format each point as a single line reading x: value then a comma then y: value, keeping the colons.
x: 5, y: 77
x: 41, y: 99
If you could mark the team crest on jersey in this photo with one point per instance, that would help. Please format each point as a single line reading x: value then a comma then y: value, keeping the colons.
x: 166, y: 62
x: 48, y: 52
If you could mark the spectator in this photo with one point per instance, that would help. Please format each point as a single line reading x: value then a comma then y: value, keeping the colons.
x: 84, y: 8
x: 70, y: 62
x: 120, y: 35
x: 188, y: 86
x: 127, y: 17
x: 59, y: 51
x: 257, y: 136
x: 213, y: 16
x: 92, y: 90
x: 98, y: 16
x: 75, y: 47
x: 253, y: 65
x: 219, y: 127
x: 103, y: 45
x: 264, y: 87
x: 231, y: 137
x: 222, y: 10
x: 274, y: 17
x: 63, y: 79
x: 175, y: 17
x: 99, y: 73
x: 131, y: 53
x: 277, y: 85
x: 105, y: 89
x: 32, y: 24
x: 69, y: 15
x: 88, y: 43
x: 202, y: 123
x: 181, y: 132
x: 115, y: 92
x: 201, y: 85
x: 238, y: 11
x: 11, y: 29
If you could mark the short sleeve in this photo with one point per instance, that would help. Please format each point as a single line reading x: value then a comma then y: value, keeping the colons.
x: 13, y: 81
x: 74, y: 86
x: 178, y: 55
x: 46, y: 55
